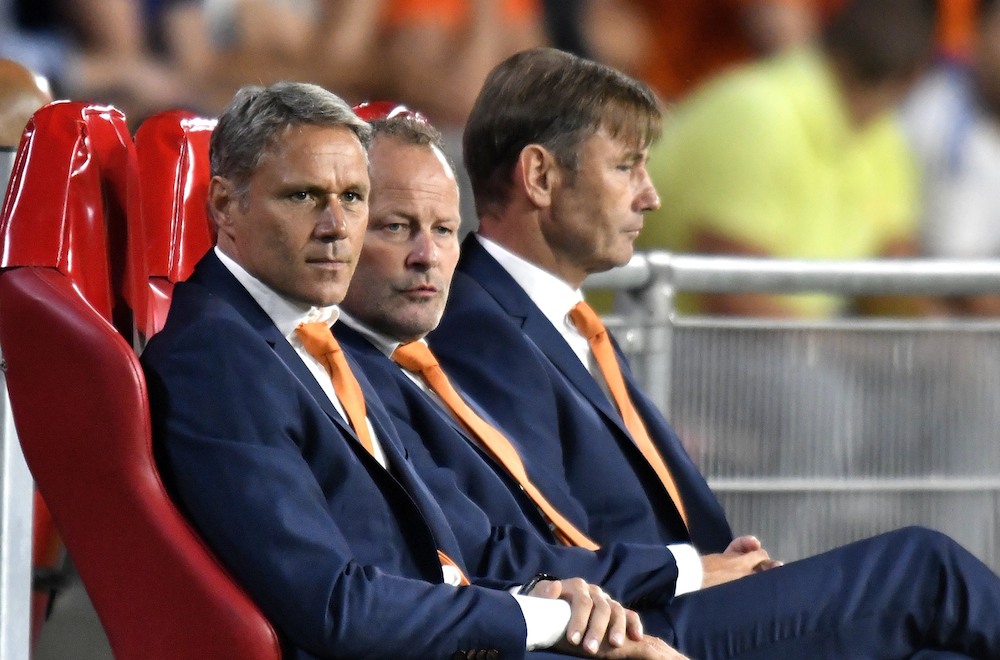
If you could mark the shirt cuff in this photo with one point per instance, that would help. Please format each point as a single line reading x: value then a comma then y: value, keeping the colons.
x: 689, y: 568
x: 546, y: 620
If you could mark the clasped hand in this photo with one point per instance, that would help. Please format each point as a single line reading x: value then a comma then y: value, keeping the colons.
x: 743, y: 557
x: 599, y: 626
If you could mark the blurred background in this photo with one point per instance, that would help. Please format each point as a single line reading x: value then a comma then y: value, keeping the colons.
x: 793, y: 128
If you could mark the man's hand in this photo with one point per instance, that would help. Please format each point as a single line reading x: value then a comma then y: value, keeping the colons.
x: 601, y: 627
x: 596, y: 620
x: 743, y: 557
x: 647, y: 648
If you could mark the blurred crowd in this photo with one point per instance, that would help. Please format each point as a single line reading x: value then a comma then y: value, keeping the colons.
x: 789, y: 133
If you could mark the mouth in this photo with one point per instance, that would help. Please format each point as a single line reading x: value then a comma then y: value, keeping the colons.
x: 421, y: 291
x: 328, y: 263
x: 634, y: 229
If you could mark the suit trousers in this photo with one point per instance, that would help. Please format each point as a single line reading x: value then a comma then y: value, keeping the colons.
x: 908, y: 593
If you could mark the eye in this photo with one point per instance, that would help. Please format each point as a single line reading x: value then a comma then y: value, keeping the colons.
x: 394, y: 227
x: 299, y: 196
x: 443, y: 230
x: 353, y: 196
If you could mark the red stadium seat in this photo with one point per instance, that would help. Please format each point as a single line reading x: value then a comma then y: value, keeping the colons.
x: 79, y: 398
x: 172, y: 149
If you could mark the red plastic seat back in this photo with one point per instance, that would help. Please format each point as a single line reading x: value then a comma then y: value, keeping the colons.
x: 172, y: 149
x: 68, y: 153
x: 80, y: 407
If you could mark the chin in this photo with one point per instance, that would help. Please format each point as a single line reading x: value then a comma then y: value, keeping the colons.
x: 411, y: 329
x: 327, y: 298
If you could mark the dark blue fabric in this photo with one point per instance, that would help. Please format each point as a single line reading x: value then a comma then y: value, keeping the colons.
x: 460, y: 476
x: 908, y: 593
x: 340, y: 555
x: 496, y: 344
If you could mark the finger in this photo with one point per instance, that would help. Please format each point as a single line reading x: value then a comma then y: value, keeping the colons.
x: 633, y: 625
x: 617, y: 624
x: 577, y: 593
x: 547, y: 589
x: 752, y: 559
x: 744, y: 544
x: 767, y: 565
x: 600, y: 617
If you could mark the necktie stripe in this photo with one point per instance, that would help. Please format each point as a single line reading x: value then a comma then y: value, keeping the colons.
x: 589, y: 324
x: 417, y: 357
x: 320, y: 343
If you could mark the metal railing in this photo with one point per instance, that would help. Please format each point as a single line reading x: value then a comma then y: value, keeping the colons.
x: 838, y: 427
x: 653, y: 279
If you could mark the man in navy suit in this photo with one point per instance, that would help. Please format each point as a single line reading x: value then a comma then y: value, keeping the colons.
x: 397, y: 296
x: 284, y: 459
x: 398, y: 293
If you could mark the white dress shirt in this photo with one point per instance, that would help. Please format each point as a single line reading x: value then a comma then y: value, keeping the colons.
x: 555, y: 298
x: 545, y: 619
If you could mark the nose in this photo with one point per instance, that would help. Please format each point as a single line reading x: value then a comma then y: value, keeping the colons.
x: 424, y: 251
x: 331, y: 225
x: 647, y: 199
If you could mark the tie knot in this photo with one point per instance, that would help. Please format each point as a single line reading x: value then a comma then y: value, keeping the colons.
x: 414, y: 356
x: 317, y: 339
x: 586, y: 320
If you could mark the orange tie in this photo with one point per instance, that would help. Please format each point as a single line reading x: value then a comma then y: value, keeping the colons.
x: 417, y: 357
x: 319, y: 342
x: 589, y: 324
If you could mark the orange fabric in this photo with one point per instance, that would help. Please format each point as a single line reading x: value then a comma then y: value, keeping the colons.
x: 417, y: 357
x: 956, y: 27
x: 452, y: 14
x: 319, y: 341
x: 589, y: 323
x: 692, y: 40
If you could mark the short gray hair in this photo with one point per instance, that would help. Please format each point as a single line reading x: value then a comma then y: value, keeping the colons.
x: 257, y: 115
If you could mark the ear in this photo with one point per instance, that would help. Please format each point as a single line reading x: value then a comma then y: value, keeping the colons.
x: 222, y: 203
x: 537, y: 172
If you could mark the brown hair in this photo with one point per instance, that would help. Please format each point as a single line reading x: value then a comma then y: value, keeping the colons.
x: 554, y: 99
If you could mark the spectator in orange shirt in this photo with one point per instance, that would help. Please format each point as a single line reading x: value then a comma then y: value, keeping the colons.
x: 676, y: 45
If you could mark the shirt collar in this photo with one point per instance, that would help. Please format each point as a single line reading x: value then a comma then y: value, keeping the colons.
x: 286, y: 314
x: 553, y: 296
x: 384, y: 343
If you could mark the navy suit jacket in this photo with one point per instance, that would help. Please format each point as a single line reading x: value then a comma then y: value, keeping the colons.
x: 461, y: 475
x: 340, y: 554
x: 499, y: 347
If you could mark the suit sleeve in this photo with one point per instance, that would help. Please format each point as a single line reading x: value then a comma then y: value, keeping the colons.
x: 233, y: 434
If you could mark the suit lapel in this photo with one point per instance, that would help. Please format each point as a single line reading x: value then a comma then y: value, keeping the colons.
x: 490, y: 275
x: 216, y: 278
x: 403, y: 473
x: 364, y: 348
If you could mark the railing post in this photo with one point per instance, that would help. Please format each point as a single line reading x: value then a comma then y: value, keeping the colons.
x: 16, y: 500
x: 16, y: 503
x: 657, y: 298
